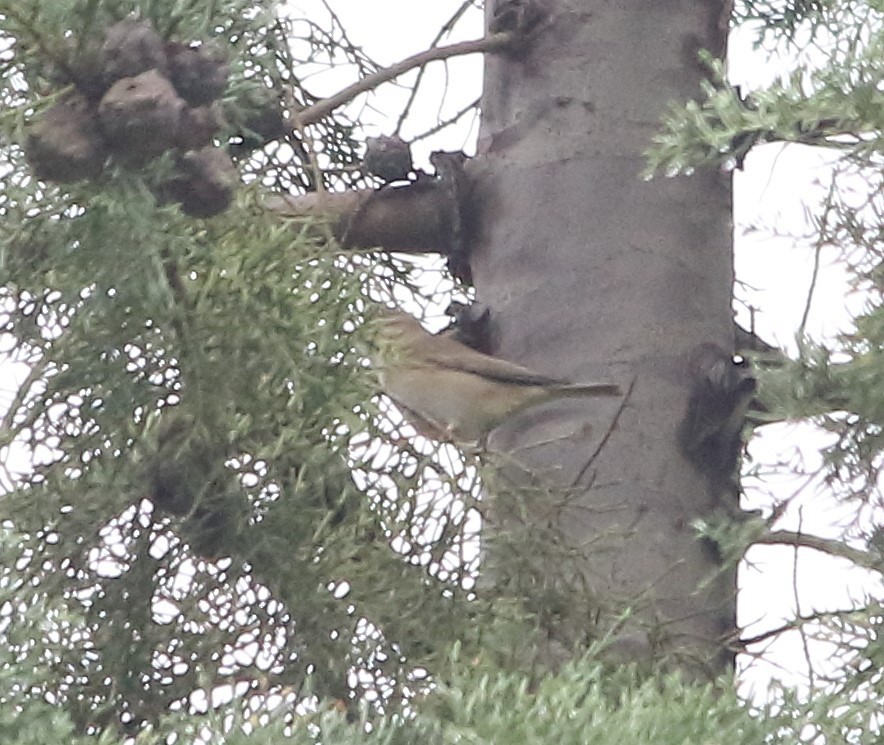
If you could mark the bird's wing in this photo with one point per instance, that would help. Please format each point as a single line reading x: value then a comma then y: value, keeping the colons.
x: 419, y: 349
x: 446, y: 352
x: 422, y: 424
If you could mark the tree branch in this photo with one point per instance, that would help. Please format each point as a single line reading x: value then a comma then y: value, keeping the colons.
x: 829, y: 546
x: 447, y: 27
x: 450, y: 120
x: 748, y: 341
x: 490, y: 43
x: 408, y: 219
x: 793, y: 624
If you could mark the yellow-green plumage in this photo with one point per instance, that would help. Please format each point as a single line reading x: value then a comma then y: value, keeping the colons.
x: 460, y: 393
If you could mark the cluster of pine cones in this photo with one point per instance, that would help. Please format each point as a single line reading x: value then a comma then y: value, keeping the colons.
x: 136, y: 97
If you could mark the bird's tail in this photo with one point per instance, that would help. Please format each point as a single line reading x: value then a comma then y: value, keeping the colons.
x: 587, y: 389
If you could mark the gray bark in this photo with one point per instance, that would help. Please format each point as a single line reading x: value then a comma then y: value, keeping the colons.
x: 592, y: 273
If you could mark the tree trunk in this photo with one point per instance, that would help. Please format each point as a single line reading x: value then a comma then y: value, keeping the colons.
x: 591, y: 273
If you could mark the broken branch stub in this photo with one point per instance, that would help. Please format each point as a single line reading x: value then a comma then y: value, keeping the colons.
x: 410, y: 219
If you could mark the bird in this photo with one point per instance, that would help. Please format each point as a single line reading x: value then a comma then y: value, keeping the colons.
x: 457, y: 393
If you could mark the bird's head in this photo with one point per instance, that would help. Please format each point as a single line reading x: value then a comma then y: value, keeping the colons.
x: 393, y: 324
x: 395, y: 334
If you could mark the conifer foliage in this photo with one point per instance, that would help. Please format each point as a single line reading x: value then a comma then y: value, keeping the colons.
x: 209, y: 529
x: 180, y: 514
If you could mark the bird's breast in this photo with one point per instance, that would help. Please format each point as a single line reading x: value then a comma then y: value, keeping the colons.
x: 465, y: 405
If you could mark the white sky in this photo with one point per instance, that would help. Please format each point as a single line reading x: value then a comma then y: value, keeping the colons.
x: 777, y: 192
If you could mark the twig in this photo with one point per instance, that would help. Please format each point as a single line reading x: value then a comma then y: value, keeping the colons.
x: 450, y: 120
x: 826, y: 545
x: 35, y: 373
x: 796, y: 596
x: 816, y: 272
x: 317, y: 111
x: 446, y: 28
x: 359, y: 56
x: 749, y: 341
x: 794, y: 624
x: 607, y: 435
